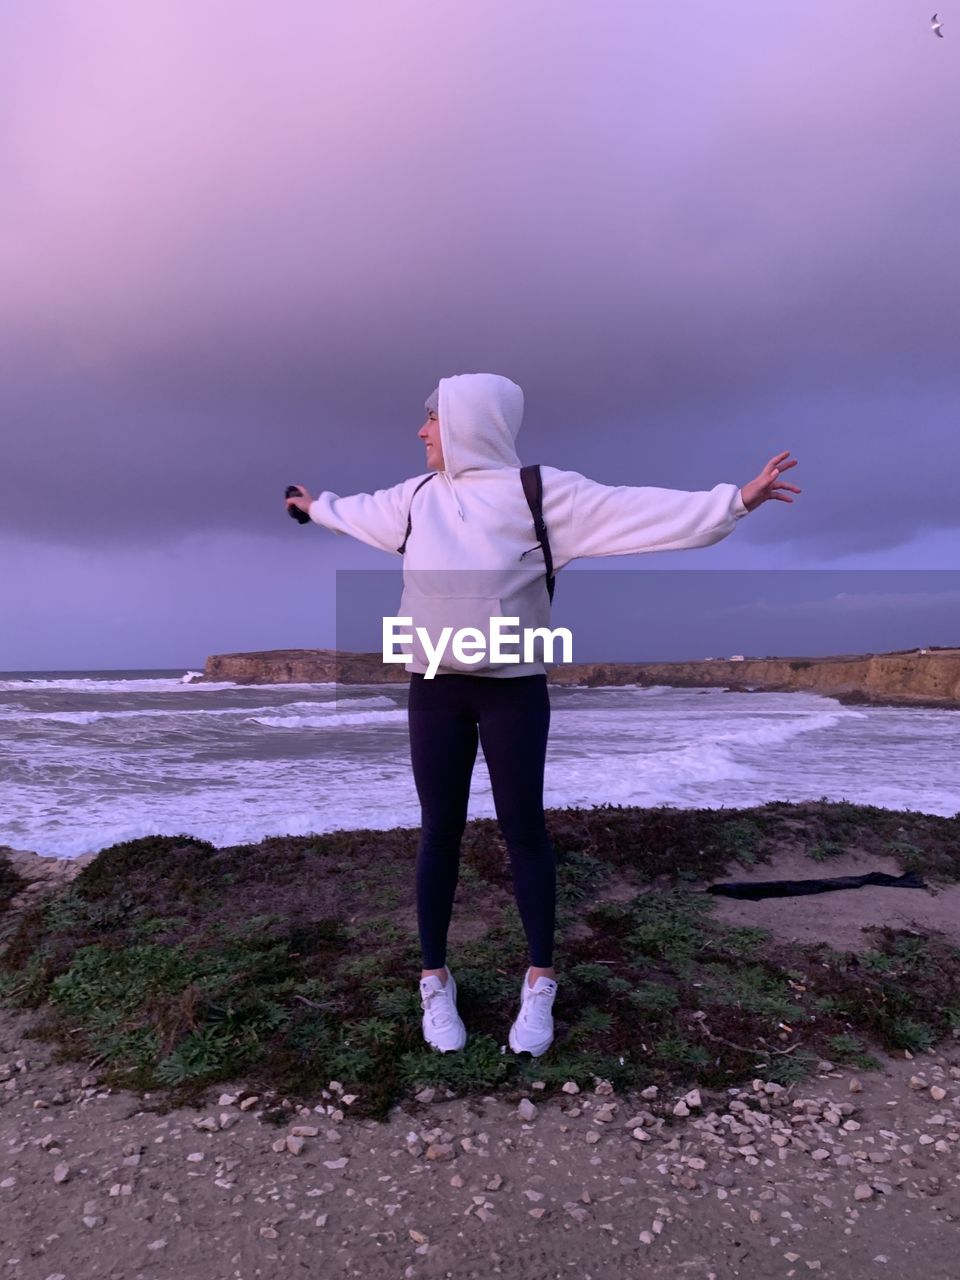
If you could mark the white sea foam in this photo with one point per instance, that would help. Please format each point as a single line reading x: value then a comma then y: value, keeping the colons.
x: 92, y: 717
x: 639, y: 689
x: 375, y: 701
x: 332, y: 721
x: 756, y: 735
x: 85, y: 684
x: 231, y: 773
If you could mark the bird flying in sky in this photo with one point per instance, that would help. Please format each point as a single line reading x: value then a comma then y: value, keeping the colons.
x: 936, y: 26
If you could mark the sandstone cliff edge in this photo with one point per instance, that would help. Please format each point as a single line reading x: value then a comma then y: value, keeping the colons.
x: 912, y: 677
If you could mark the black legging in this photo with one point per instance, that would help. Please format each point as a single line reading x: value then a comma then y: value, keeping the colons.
x: 511, y: 717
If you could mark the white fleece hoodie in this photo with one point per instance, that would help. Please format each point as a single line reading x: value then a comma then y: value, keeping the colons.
x: 471, y: 525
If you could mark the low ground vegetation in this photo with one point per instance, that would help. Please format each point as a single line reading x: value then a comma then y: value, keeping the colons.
x: 174, y: 964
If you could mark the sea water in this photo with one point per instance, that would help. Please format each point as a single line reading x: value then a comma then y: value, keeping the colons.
x: 91, y: 758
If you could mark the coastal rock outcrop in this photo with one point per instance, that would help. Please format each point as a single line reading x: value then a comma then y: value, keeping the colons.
x: 915, y: 677
x: 928, y: 677
x: 302, y: 666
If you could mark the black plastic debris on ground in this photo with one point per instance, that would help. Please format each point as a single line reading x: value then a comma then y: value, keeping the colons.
x: 796, y: 888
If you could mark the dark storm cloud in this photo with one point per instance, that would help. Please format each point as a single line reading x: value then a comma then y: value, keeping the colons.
x: 668, y: 616
x: 242, y: 243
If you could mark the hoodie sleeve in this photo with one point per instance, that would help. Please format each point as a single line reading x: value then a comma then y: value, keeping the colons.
x: 379, y: 518
x: 618, y: 520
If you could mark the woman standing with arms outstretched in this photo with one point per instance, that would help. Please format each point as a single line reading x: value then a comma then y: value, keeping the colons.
x: 471, y: 553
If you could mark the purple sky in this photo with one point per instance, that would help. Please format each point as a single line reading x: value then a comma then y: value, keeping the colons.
x: 240, y: 243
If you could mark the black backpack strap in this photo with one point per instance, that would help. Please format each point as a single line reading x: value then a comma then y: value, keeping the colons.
x: 532, y: 482
x: 403, y: 545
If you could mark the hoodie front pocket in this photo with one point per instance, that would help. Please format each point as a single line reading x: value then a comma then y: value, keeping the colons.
x: 452, y: 633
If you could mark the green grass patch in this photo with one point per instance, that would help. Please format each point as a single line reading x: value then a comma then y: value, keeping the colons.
x: 741, y: 839
x: 295, y: 961
x: 826, y: 849
x: 851, y: 1051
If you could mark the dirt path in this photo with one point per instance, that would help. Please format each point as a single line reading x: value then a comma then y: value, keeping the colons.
x: 760, y: 1184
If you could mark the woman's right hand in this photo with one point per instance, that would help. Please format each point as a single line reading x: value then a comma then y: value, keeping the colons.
x: 302, y: 501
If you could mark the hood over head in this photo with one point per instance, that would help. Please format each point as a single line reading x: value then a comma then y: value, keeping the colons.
x: 480, y: 416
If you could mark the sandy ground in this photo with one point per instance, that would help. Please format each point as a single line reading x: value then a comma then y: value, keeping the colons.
x: 825, y: 1178
x: 850, y: 1174
x: 840, y: 918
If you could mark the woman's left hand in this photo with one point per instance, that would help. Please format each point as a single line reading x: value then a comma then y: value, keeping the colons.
x: 766, y: 484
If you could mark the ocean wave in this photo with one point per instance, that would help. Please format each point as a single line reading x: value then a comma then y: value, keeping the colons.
x: 223, y: 829
x: 769, y: 732
x: 376, y: 701
x: 628, y: 688
x: 67, y: 790
x: 172, y: 684
x: 92, y: 717
x: 717, y: 754
x: 334, y: 720
x: 86, y: 684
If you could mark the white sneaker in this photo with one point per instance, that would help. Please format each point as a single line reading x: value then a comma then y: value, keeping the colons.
x: 442, y: 1025
x: 532, y: 1032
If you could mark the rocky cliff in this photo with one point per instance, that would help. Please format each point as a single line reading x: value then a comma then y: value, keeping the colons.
x: 914, y: 678
x: 303, y: 666
x: 911, y: 678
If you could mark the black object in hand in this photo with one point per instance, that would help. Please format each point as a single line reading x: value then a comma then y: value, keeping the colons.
x: 298, y: 514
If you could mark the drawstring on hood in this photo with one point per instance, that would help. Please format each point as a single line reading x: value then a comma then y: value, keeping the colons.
x: 453, y: 490
x: 480, y: 416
